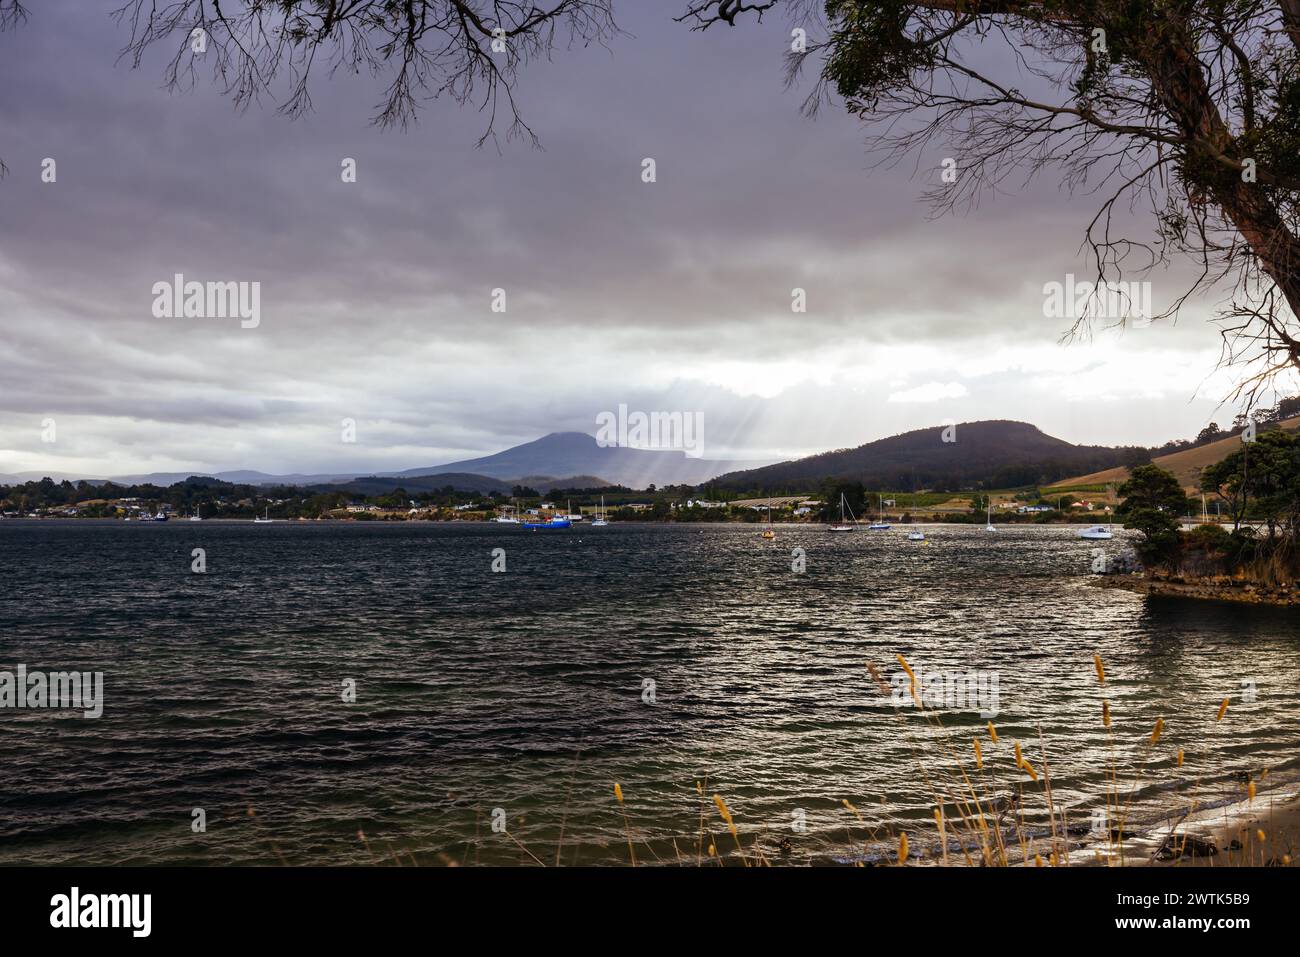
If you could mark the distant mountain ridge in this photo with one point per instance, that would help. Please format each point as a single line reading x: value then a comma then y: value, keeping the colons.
x: 577, y: 453
x: 992, y: 453
x: 235, y: 477
x: 460, y: 481
x: 996, y: 453
x: 560, y: 459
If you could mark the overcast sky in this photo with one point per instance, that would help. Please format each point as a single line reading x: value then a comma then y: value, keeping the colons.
x: 376, y: 295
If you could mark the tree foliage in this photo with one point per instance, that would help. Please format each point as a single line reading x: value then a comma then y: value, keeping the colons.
x: 1260, y: 480
x: 1152, y: 503
x: 468, y: 50
x: 1188, y: 110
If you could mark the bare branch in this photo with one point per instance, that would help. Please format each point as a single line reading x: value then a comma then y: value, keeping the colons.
x: 469, y: 50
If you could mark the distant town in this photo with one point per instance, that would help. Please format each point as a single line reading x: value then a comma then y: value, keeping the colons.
x: 200, y: 499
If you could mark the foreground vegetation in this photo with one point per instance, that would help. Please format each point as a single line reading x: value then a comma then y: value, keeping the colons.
x: 992, y: 804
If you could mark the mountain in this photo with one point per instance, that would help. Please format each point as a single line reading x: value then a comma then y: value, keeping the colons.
x: 576, y: 453
x: 460, y: 481
x: 561, y: 459
x: 382, y: 485
x: 164, y: 479
x: 545, y: 483
x: 992, y: 453
x: 236, y: 477
x: 995, y: 453
x: 19, y: 478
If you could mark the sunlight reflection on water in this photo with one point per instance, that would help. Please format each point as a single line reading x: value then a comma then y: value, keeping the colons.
x: 523, y: 690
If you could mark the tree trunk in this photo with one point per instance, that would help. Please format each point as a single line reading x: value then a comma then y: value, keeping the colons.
x: 1178, y: 79
x: 1275, y: 247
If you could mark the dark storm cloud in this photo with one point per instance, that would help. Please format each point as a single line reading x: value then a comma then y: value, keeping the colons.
x: 375, y: 295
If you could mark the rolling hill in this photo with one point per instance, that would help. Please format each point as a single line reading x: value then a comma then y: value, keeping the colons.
x: 1186, y: 464
x: 996, y: 453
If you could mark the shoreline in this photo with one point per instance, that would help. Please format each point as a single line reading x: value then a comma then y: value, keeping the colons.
x: 1216, y: 589
x: 953, y: 520
x: 1237, y: 830
x: 1241, y: 831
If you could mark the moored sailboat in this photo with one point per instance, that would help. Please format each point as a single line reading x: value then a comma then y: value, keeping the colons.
x: 844, y: 526
x: 880, y: 524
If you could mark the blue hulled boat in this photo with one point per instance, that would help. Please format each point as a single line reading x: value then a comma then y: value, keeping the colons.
x: 549, y: 523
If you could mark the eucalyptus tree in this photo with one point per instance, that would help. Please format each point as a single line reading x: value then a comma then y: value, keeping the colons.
x: 1185, y: 110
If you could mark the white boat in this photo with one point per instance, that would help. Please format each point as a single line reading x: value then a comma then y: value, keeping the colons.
x: 198, y: 515
x: 600, y: 515
x: 1096, y: 532
x: 989, y: 517
x: 916, y: 536
x: 506, y: 520
x: 572, y: 516
x: 844, y: 526
x: 265, y: 520
x: 880, y: 524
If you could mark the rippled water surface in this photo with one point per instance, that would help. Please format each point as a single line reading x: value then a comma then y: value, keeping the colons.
x: 524, y: 691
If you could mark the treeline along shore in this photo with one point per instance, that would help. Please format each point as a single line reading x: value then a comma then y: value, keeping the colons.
x: 1251, y: 556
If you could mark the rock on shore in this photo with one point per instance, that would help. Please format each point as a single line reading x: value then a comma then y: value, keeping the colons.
x: 1218, y: 589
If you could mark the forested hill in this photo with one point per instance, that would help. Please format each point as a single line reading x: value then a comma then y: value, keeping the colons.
x: 991, y: 454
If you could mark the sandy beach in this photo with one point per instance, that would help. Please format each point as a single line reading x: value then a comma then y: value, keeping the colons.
x: 1263, y: 831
